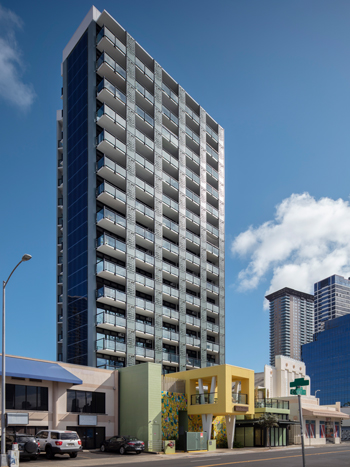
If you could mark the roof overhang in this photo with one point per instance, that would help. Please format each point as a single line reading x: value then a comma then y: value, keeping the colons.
x: 323, y: 412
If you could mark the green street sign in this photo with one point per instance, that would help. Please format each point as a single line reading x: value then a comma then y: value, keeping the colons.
x: 295, y: 392
x: 299, y: 382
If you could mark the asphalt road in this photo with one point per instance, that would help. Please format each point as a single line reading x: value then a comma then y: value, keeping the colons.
x: 325, y: 456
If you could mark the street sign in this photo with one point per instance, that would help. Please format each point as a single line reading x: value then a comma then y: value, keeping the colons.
x: 299, y: 382
x: 295, y: 392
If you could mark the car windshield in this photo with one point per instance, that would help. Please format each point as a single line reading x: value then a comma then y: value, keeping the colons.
x: 71, y: 435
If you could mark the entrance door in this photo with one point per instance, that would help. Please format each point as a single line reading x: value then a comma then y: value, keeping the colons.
x: 91, y: 437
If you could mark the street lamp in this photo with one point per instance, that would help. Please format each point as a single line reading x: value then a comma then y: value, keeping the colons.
x: 317, y: 390
x: 3, y: 395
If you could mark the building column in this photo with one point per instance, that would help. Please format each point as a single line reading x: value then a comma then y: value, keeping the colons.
x: 207, y: 420
x: 230, y: 429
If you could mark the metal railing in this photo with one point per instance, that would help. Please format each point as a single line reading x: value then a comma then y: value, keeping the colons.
x: 209, y: 398
x: 271, y: 403
x: 238, y: 398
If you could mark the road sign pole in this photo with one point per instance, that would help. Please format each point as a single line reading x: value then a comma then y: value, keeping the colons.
x: 301, y: 429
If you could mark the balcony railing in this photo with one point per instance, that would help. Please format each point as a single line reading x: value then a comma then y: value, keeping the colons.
x: 193, y: 238
x: 147, y: 234
x: 168, y: 135
x: 192, y: 135
x: 193, y: 176
x: 170, y: 93
x: 192, y: 114
x: 170, y: 313
x: 144, y: 186
x: 193, y: 279
x: 144, y: 139
x: 144, y: 162
x: 143, y: 91
x: 170, y: 202
x: 112, y: 216
x: 106, y: 344
x: 212, y: 249
x: 213, y: 288
x: 192, y: 155
x: 192, y: 196
x: 170, y: 335
x: 212, y: 152
x: 212, y: 327
x: 271, y: 403
x: 143, y: 327
x: 238, y: 398
x: 213, y: 347
x: 193, y: 258
x: 170, y: 269
x: 211, y: 364
x: 170, y: 357
x: 194, y: 341
x: 193, y: 217
x: 106, y: 187
x: 146, y: 210
x: 113, y: 294
x: 147, y: 258
x: 171, y: 247
x: 116, y: 118
x: 209, y: 398
x: 170, y: 224
x: 116, y: 168
x: 212, y: 133
x: 143, y: 352
x: 105, y: 58
x: 170, y: 181
x: 213, y: 308
x: 107, y: 317
x: 170, y: 115
x: 212, y: 172
x: 105, y: 84
x: 144, y: 280
x: 193, y: 320
x: 213, y: 269
x: 144, y: 69
x: 144, y: 115
x: 213, y: 211
x: 194, y: 362
x: 115, y: 142
x: 104, y: 265
x: 213, y: 230
x: 105, y: 32
x: 212, y: 191
x: 170, y: 291
x: 145, y: 304
x: 169, y: 158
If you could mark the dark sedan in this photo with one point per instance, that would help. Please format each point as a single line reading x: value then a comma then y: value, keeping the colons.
x: 123, y: 444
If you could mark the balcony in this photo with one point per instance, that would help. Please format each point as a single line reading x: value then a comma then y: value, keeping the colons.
x: 112, y: 221
x: 170, y: 181
x: 144, y: 116
x: 170, y: 137
x: 271, y: 404
x: 170, y: 335
x: 145, y: 353
x: 192, y: 320
x: 110, y: 346
x: 193, y: 279
x: 171, y: 203
x: 144, y: 328
x: 171, y: 225
x: 110, y: 145
x: 170, y: 93
x: 212, y: 153
x: 170, y: 269
x: 109, y: 320
x: 170, y: 313
x: 144, y: 233
x: 192, y: 135
x: 146, y: 94
x: 106, y: 33
x: 173, y: 118
x: 171, y: 291
x: 212, y: 172
x: 212, y: 327
x: 106, y: 268
x: 145, y: 187
x: 110, y: 170
x: 193, y: 217
x: 209, y: 398
x: 213, y: 211
x: 213, y: 230
x: 170, y: 357
x: 144, y: 304
x: 192, y: 176
x: 213, y: 269
x: 144, y: 209
x: 170, y: 247
x: 111, y: 121
x: 212, y: 191
x: 213, y: 308
x: 212, y: 288
x: 144, y: 257
x: 145, y: 281
x: 145, y: 70
x: 193, y: 362
x: 212, y: 249
x: 212, y: 347
x: 111, y: 95
x: 193, y: 156
x: 192, y: 258
x: 192, y: 114
x: 238, y: 398
x: 144, y: 139
x: 110, y: 296
x: 193, y: 300
x: 170, y: 159
x: 108, y: 68
x: 193, y: 341
x: 145, y: 163
x: 193, y: 238
x: 211, y: 364
x: 212, y: 134
x: 110, y: 194
x: 192, y: 196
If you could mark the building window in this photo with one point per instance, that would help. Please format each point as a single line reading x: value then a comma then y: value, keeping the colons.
x: 86, y: 402
x: 19, y: 397
x: 310, y: 428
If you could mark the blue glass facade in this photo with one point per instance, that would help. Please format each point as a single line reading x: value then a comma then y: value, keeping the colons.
x: 327, y: 361
x: 77, y: 84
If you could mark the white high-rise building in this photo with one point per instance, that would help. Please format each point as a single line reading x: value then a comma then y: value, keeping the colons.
x: 141, y: 210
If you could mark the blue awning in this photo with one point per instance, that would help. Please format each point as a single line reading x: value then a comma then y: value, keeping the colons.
x: 48, y: 371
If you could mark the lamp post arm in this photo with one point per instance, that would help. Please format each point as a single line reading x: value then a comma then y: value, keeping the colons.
x: 13, y: 270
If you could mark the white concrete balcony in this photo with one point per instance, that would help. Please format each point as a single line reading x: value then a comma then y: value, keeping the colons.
x: 107, y: 270
x: 109, y: 320
x: 170, y: 335
x: 193, y: 362
x: 144, y: 328
x: 144, y: 304
x: 111, y: 220
x: 193, y: 321
x: 110, y: 170
x: 170, y: 313
x: 193, y: 341
x: 170, y: 269
x: 108, y: 68
x: 111, y: 195
x: 170, y: 357
x: 111, y: 95
x: 110, y: 347
x: 192, y: 279
x: 144, y: 352
x: 212, y: 347
x: 146, y: 282
x: 211, y: 327
x: 111, y: 246
x: 111, y: 121
x: 111, y: 296
x: 212, y: 308
x: 171, y: 291
x: 110, y: 145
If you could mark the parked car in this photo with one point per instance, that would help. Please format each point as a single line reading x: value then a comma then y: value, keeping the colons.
x: 27, y: 445
x: 123, y: 444
x: 59, y: 442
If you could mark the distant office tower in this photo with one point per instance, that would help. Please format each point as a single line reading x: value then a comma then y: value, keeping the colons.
x: 141, y: 242
x: 291, y: 322
x: 327, y: 361
x: 332, y: 299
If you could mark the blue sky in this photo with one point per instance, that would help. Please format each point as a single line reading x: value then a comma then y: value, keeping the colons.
x: 274, y: 74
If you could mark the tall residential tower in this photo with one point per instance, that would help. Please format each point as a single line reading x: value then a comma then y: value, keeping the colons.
x: 141, y: 210
x: 332, y: 299
x: 291, y: 322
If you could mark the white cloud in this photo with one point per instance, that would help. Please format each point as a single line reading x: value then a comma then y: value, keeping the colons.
x: 12, y: 88
x: 307, y: 241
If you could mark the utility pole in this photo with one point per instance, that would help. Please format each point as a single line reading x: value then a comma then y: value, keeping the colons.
x: 297, y: 390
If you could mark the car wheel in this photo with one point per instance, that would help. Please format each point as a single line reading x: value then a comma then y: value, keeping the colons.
x: 49, y: 453
x: 122, y: 450
x: 73, y: 454
x: 103, y: 448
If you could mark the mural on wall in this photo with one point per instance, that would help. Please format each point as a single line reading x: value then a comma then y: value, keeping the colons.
x: 172, y: 403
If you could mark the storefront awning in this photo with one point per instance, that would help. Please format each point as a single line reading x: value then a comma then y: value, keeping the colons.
x: 324, y: 412
x: 48, y: 371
